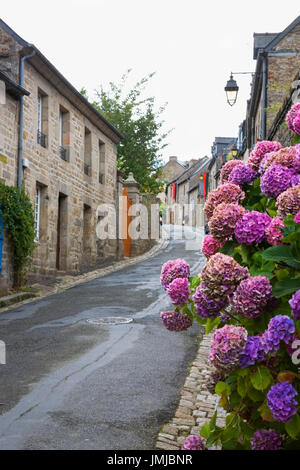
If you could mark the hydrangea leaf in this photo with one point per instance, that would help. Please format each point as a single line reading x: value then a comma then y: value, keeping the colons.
x: 222, y: 387
x: 285, y: 287
x: 211, y: 323
x: 242, y: 386
x: 286, y: 376
x: 262, y: 378
x: 293, y: 427
x: 205, y: 431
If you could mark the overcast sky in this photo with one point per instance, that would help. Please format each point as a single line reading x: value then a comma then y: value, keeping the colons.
x: 192, y: 46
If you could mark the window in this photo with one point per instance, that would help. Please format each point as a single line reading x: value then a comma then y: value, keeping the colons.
x: 64, y: 133
x: 37, y: 213
x: 42, y: 124
x: 87, y: 152
x: 101, y: 162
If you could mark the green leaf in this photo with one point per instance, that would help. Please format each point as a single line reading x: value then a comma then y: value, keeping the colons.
x: 293, y: 427
x: 242, y: 386
x: 296, y: 139
x: 222, y: 387
x: 287, y: 286
x: 262, y: 378
x: 211, y: 323
x: 205, y: 431
x: 228, y: 248
x: 281, y: 253
x: 255, y: 395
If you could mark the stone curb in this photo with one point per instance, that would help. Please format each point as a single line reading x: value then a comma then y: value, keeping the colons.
x: 67, y: 282
x: 15, y: 298
x: 196, y: 405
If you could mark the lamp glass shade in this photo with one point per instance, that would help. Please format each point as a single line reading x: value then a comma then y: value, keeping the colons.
x: 231, y: 91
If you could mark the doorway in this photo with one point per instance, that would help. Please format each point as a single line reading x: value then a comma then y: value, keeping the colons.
x: 62, y: 233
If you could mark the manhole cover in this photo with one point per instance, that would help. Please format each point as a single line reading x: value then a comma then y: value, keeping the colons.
x: 110, y: 320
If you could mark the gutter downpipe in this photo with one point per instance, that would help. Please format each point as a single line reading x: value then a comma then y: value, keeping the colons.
x: 21, y: 113
x: 264, y: 98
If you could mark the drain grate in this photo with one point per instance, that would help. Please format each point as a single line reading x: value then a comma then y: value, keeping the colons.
x: 110, y: 320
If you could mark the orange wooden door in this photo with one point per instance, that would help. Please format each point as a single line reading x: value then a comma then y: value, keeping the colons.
x: 126, y: 219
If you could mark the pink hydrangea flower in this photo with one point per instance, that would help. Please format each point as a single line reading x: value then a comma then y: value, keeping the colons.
x: 227, y: 346
x: 273, y: 234
x: 175, y: 321
x: 221, y: 275
x: 259, y: 151
x: 227, y: 169
x: 284, y: 157
x: 297, y: 218
x: 227, y: 192
x: 252, y: 296
x: 292, y: 116
x: 224, y: 220
x: 210, y: 246
x: 288, y: 202
x: 179, y: 291
x: 172, y: 270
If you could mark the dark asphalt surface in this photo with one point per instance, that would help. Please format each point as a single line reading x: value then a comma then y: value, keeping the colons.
x: 70, y: 384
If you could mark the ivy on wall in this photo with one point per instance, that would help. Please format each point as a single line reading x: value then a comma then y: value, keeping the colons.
x: 18, y: 218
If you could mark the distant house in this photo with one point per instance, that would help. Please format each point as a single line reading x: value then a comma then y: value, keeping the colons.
x: 177, y: 192
x: 170, y: 171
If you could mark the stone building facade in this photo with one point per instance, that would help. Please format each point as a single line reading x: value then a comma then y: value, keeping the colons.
x: 69, y: 161
x: 278, y: 62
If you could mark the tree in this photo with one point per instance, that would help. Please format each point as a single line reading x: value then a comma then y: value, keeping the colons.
x: 135, y: 117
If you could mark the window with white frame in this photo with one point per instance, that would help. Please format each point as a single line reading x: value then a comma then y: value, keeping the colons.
x: 37, y: 213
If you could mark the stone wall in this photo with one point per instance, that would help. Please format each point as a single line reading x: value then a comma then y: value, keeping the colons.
x: 281, y: 72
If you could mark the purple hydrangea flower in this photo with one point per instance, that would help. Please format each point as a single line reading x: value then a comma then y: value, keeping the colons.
x: 194, y: 443
x: 288, y: 202
x: 221, y: 275
x: 251, y: 228
x: 174, y: 269
x: 227, y: 346
x: 227, y: 169
x: 254, y: 352
x: 295, y: 180
x: 179, y: 291
x: 242, y: 174
x: 264, y: 439
x: 207, y: 308
x: 275, y: 180
x: 280, y: 328
x: 273, y: 234
x: 281, y: 401
x: 175, y: 321
x: 295, y: 305
x: 252, y: 296
x: 224, y: 220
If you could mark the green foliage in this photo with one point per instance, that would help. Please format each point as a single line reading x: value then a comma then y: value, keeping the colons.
x: 18, y: 219
x: 137, y: 120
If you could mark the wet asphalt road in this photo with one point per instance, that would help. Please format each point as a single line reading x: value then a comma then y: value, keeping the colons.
x: 71, y: 384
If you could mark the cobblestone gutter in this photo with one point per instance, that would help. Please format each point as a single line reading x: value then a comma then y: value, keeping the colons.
x: 196, y: 405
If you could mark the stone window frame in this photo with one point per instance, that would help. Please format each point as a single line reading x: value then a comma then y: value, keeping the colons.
x: 101, y: 161
x: 43, y: 119
x: 64, y: 133
x: 87, y: 163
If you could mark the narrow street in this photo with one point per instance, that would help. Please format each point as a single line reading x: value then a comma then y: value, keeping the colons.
x: 70, y: 383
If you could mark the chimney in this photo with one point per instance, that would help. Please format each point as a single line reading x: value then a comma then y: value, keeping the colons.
x: 173, y: 159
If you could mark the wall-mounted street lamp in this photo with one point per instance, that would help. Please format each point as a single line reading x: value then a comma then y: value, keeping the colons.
x: 234, y: 152
x: 231, y: 91
x: 232, y: 88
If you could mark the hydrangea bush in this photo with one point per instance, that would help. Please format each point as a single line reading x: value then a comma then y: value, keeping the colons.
x: 248, y: 296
